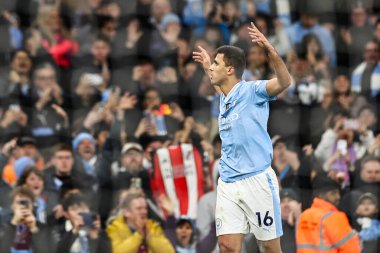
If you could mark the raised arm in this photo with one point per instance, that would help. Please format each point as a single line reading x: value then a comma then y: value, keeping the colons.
x: 203, y: 58
x: 282, y: 81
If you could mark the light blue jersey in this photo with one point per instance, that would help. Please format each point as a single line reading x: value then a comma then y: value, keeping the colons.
x: 246, y: 146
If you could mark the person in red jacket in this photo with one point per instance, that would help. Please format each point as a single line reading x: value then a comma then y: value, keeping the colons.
x: 322, y: 227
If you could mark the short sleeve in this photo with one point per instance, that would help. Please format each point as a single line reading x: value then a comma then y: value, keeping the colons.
x: 259, y: 92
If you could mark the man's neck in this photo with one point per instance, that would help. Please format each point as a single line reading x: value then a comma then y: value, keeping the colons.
x: 227, y: 86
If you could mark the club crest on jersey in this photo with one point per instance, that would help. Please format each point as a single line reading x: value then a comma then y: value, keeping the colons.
x: 229, y: 105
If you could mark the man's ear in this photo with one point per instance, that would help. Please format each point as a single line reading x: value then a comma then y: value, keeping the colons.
x: 126, y: 213
x: 230, y: 70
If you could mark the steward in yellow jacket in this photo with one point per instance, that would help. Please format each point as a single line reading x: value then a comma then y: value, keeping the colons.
x: 322, y: 227
x: 132, y: 232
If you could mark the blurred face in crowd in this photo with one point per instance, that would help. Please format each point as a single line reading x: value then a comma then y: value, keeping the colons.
x: 366, y: 208
x: 367, y: 117
x: 148, y: 74
x: 286, y: 205
x: 109, y: 29
x: 137, y: 213
x: 341, y: 84
x: 19, y: 199
x: 332, y: 196
x: 29, y: 150
x: 44, y: 78
x: 262, y: 25
x: 94, y: 3
x: 35, y: 183
x: 230, y: 10
x: 53, y: 20
x: 371, y: 53
x: 308, y: 20
x: 213, y: 35
x: 370, y: 172
x: 159, y: 9
x: 102, y: 137
x: 152, y: 147
x: 173, y: 28
x: 152, y: 99
x: 184, y: 232
x: 100, y: 50
x: 132, y: 160
x: 21, y: 63
x: 86, y: 149
x: 376, y: 33
x: 73, y: 211
x: 358, y: 16
x: 63, y: 161
x: 279, y: 151
x: 256, y: 57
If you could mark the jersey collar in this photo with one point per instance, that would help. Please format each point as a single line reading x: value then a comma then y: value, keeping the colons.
x: 232, y: 92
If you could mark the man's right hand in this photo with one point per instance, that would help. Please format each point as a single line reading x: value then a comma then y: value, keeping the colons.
x: 203, y: 58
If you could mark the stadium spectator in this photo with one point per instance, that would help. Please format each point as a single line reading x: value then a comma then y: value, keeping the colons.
x: 23, y: 232
x: 85, y: 233
x: 132, y: 231
x: 364, y: 76
x: 290, y: 212
x: 324, y: 216
x: 368, y: 224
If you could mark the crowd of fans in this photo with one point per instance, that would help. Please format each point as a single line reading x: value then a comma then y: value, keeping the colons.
x: 90, y: 90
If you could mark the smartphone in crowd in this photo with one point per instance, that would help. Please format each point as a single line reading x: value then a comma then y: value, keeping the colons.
x: 342, y: 146
x: 161, y: 125
x: 351, y: 124
x: 136, y: 183
x: 24, y: 203
x: 88, y: 218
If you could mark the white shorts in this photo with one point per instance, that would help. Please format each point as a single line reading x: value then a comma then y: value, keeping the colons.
x: 250, y: 205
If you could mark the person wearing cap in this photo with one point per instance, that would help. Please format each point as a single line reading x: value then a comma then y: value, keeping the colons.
x: 322, y: 227
x: 25, y: 147
x: 290, y: 211
x: 28, y: 147
x: 368, y: 224
x: 131, y: 172
x: 84, y: 147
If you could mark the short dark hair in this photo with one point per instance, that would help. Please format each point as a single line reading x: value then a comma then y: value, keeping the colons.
x: 63, y: 147
x: 130, y: 197
x: 233, y: 56
x: 29, y: 170
x: 24, y: 191
x: 102, y: 38
x: 73, y: 199
x: 368, y: 158
x: 44, y: 65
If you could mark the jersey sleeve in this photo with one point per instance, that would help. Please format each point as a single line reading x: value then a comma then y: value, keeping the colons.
x: 259, y: 92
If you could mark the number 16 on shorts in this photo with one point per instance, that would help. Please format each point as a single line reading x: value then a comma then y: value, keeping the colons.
x: 266, y: 220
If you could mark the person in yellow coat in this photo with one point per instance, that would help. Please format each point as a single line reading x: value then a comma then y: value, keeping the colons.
x: 132, y: 232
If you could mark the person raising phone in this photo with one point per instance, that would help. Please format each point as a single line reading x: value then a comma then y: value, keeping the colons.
x: 23, y: 233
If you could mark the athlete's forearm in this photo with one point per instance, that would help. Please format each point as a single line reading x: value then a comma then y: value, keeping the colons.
x: 282, y: 73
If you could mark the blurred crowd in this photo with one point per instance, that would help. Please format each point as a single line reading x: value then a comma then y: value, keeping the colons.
x: 108, y: 129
